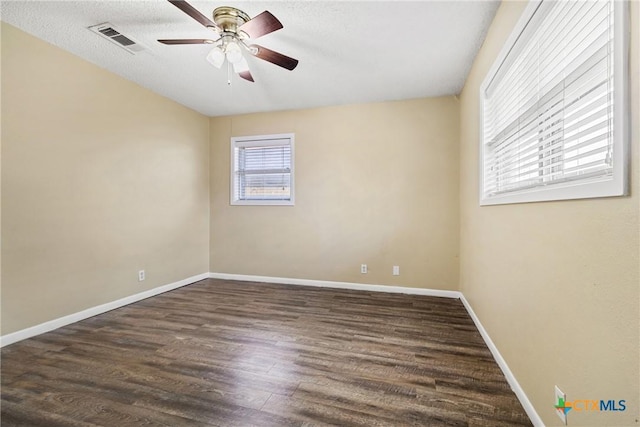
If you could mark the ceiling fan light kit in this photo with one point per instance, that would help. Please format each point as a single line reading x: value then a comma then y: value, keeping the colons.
x: 216, y: 57
x: 233, y: 29
x: 232, y: 51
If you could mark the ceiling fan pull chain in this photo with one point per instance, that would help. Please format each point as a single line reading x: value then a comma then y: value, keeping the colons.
x: 228, y: 73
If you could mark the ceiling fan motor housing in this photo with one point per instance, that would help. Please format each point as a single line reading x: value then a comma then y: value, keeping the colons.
x: 228, y: 19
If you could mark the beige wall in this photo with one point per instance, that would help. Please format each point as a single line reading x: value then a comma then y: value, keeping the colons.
x: 556, y: 284
x: 100, y: 178
x: 375, y: 184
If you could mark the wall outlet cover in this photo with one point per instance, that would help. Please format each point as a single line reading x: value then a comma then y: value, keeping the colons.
x: 559, y: 403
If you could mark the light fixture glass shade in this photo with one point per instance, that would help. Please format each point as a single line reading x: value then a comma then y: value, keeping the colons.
x: 234, y: 54
x: 241, y: 65
x: 216, y: 57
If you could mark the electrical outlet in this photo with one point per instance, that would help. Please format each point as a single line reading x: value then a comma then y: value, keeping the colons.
x: 560, y: 400
x: 140, y: 275
x: 396, y: 270
x: 363, y: 269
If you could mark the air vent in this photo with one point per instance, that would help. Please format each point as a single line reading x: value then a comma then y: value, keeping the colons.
x: 107, y: 31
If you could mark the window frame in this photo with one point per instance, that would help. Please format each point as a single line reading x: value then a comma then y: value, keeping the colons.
x: 618, y: 183
x: 261, y: 141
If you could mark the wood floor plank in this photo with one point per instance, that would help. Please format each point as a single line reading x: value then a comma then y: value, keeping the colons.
x: 225, y: 353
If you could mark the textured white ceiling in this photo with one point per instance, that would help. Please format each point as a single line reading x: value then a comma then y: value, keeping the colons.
x: 349, y: 51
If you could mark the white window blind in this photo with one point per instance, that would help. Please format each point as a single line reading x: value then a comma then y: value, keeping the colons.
x: 550, y: 107
x: 263, y: 170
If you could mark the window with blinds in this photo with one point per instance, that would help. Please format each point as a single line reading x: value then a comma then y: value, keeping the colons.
x: 554, y: 106
x: 262, y: 170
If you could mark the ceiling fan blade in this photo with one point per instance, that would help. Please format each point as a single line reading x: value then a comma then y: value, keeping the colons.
x: 193, y: 12
x: 187, y: 41
x: 274, y: 57
x: 260, y: 25
x: 246, y: 75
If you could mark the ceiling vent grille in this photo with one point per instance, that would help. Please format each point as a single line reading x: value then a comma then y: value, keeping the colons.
x: 107, y: 31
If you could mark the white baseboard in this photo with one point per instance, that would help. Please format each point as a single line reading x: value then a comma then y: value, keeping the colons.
x: 338, y: 285
x: 93, y: 311
x: 511, y: 379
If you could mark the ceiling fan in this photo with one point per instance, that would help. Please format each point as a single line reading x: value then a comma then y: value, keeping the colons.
x: 233, y: 32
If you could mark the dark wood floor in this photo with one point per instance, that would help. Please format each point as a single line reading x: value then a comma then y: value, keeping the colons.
x: 223, y: 353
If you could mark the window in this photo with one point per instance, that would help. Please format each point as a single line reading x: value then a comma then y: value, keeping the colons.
x: 262, y: 172
x: 554, y: 106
